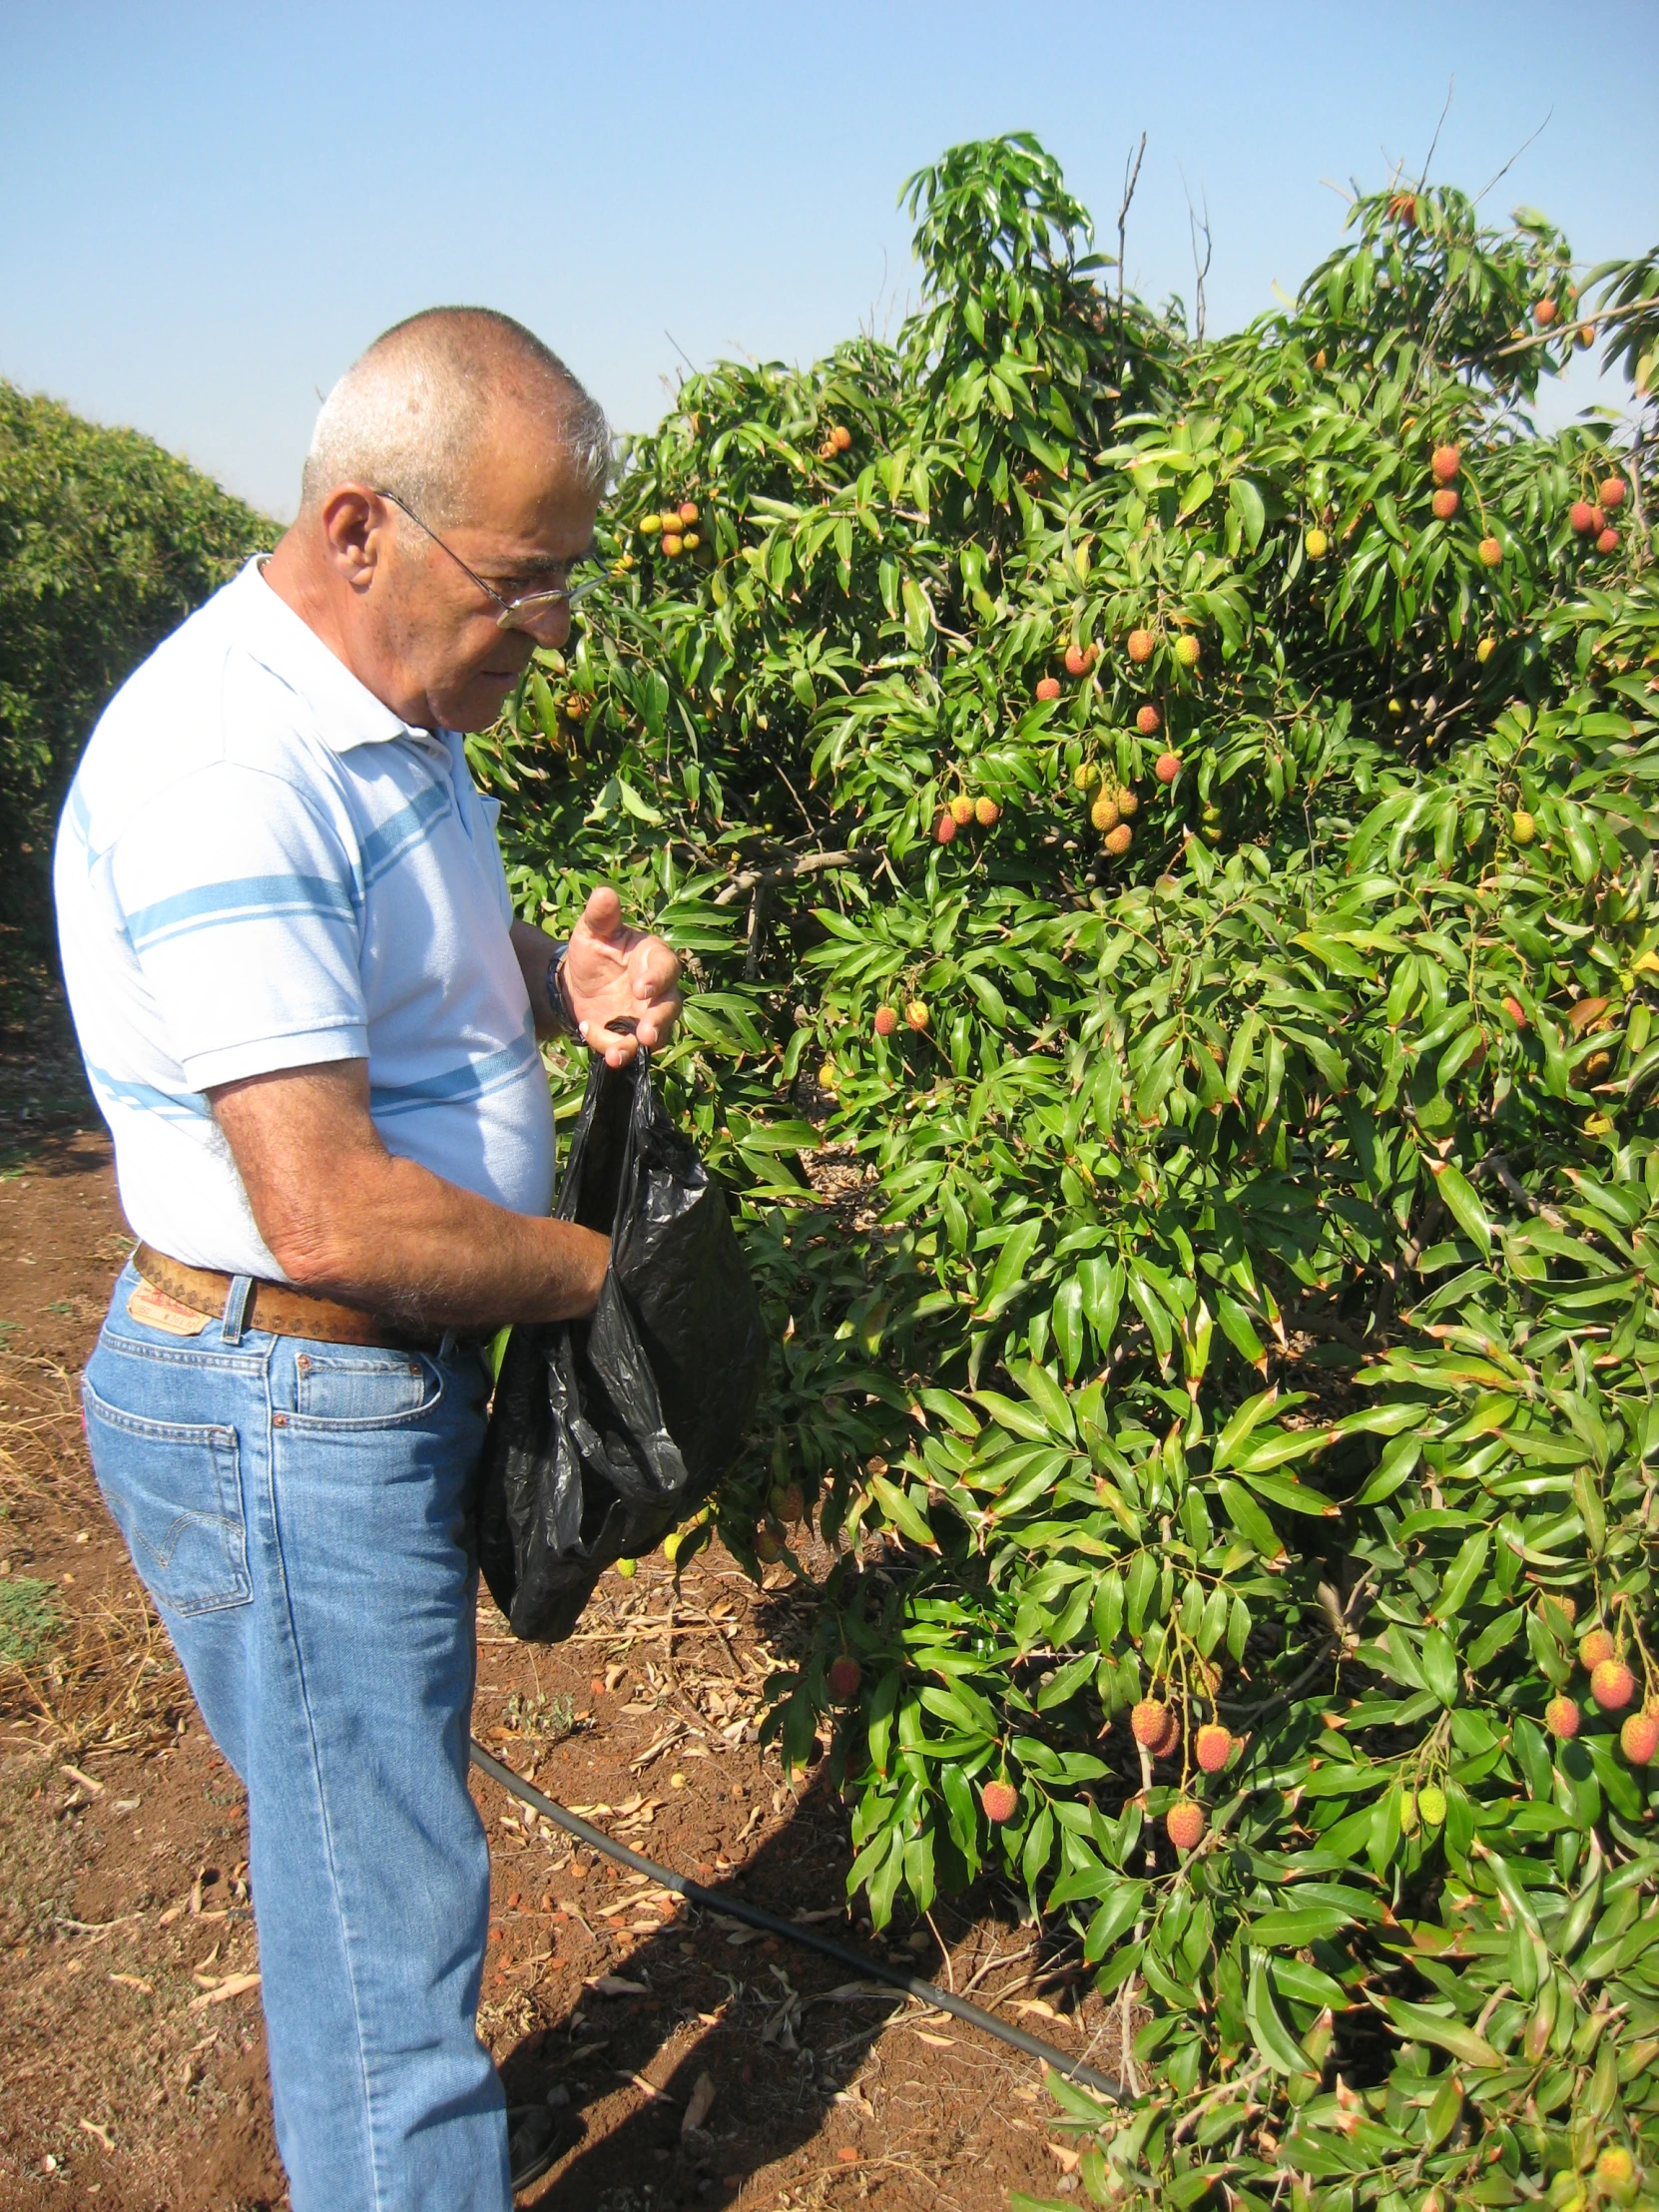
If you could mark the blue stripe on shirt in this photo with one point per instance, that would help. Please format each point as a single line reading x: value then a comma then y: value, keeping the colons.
x: 470, y: 1081
x: 245, y: 899
x: 384, y: 847
x: 177, y: 1106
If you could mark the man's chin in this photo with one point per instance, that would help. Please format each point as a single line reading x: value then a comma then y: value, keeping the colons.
x: 477, y: 703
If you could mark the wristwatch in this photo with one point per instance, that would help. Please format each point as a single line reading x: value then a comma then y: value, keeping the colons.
x: 558, y: 998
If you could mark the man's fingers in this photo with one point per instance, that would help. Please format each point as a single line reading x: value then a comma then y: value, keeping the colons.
x: 602, y: 915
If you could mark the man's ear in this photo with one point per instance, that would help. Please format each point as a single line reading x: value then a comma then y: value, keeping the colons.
x: 356, y: 531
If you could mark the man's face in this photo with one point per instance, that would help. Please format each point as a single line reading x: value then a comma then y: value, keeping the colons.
x: 523, y: 521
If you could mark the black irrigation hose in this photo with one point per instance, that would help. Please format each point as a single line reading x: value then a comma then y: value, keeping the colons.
x: 735, y: 1909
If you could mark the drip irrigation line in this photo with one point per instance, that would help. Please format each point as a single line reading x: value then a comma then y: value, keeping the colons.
x: 737, y: 1908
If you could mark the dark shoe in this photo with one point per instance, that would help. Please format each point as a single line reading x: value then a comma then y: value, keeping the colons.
x: 532, y: 2143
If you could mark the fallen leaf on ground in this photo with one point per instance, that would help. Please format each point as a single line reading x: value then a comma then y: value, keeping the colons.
x: 698, y: 2104
x: 616, y: 1985
x: 134, y: 1982
x: 234, y: 1985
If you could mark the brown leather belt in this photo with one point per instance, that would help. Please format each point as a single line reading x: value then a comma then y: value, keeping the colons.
x: 280, y: 1309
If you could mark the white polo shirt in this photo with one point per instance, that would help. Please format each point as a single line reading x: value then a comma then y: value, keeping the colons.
x: 260, y: 866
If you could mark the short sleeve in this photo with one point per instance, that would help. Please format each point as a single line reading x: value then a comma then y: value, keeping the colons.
x: 243, y: 914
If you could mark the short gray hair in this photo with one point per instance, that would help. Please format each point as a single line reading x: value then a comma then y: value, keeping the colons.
x: 408, y: 415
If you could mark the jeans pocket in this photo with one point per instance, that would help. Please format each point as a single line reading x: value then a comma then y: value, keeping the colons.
x: 363, y: 1388
x: 175, y: 1489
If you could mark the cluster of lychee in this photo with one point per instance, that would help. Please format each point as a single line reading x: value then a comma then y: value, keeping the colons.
x: 676, y: 526
x: 836, y: 441
x: 1612, y: 1686
x: 1156, y: 1727
x: 1590, y: 521
x: 1112, y: 806
x: 1446, y: 465
x: 963, y: 810
x: 917, y: 1017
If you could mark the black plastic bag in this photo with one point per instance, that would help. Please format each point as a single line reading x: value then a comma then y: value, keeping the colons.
x: 605, y: 1433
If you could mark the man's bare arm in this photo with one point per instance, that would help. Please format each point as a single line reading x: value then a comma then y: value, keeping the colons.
x: 344, y: 1216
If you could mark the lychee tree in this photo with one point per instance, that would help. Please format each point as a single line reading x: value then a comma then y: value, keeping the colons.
x: 1170, y: 907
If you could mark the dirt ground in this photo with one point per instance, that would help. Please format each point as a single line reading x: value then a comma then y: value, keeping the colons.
x: 133, y: 2068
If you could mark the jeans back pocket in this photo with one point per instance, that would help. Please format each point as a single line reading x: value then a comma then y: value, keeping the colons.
x: 362, y: 1387
x: 175, y: 1489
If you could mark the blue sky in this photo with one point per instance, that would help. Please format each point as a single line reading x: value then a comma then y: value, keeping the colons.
x: 205, y: 211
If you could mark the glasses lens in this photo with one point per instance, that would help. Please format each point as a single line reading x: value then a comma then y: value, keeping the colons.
x: 538, y: 606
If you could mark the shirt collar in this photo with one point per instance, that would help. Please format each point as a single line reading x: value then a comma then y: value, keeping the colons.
x: 347, y: 712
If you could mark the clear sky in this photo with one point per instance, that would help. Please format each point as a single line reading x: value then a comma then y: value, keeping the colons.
x: 207, y: 210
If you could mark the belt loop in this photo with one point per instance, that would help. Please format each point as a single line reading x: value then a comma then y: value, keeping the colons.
x: 236, y: 1303
x: 446, y: 1347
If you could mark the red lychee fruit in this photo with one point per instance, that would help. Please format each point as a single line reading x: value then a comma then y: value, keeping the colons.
x: 1594, y: 1648
x: 1079, y: 658
x: 1119, y: 840
x: 1515, y: 1010
x: 1141, y: 643
x: 1610, y: 491
x: 1582, y: 516
x: 1184, y: 1823
x: 1612, y: 1685
x: 846, y: 1676
x: 886, y: 1020
x: 1491, y: 551
x: 1608, y: 541
x: 1148, y: 1721
x: 946, y: 828
x: 840, y: 437
x: 1168, y: 1745
x: 1639, y: 1738
x: 1561, y: 1718
x: 1166, y: 767
x: 1148, y: 721
x: 1000, y: 1801
x: 961, y: 808
x: 1446, y: 503
x: 1212, y: 1745
x: 1445, y: 462
x: 1049, y: 688
x: 986, y: 812
x: 1544, y: 314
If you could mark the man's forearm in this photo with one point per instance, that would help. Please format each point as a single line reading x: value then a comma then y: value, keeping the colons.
x: 343, y: 1215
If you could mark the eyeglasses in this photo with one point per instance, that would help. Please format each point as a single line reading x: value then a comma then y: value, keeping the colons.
x: 516, y: 614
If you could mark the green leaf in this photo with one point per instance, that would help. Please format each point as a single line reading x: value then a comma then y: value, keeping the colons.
x: 1464, y: 1207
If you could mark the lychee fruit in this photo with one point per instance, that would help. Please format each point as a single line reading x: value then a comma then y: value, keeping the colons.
x: 1104, y: 812
x: 1544, y: 314
x: 1594, y: 1648
x: 688, y: 512
x: 1000, y: 1801
x: 1582, y: 516
x: 1491, y: 553
x: 1148, y: 1720
x: 788, y: 1502
x: 1639, y: 1738
x: 961, y: 808
x: 1211, y: 1747
x: 1118, y: 841
x: 1610, y: 491
x: 986, y: 812
x: 946, y: 828
x: 1049, y: 688
x: 1515, y: 1010
x: 1484, y: 650
x: 1446, y: 503
x: 915, y: 1013
x: 1141, y: 643
x: 1612, y: 1685
x: 1187, y: 650
x: 769, y: 1546
x: 1316, y: 544
x: 1166, y: 767
x: 1616, y: 2173
x: 1432, y: 1804
x: 846, y: 1676
x: 1148, y: 721
x: 1444, y: 463
x: 1608, y: 541
x: 673, y: 543
x: 840, y: 437
x: 1184, y: 1823
x: 1523, y: 828
x: 1079, y: 658
x: 1561, y: 1718
x: 886, y: 1020
x: 1128, y: 803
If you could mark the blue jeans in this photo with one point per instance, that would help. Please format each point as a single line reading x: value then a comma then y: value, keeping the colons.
x: 300, y: 1513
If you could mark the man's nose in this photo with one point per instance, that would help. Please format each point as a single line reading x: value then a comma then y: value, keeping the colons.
x: 548, y: 625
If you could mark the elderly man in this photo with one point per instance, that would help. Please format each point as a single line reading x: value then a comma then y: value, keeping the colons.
x: 311, y: 1019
